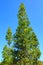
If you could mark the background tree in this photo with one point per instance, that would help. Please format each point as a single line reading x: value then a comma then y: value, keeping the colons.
x: 9, y: 36
x: 26, y: 45
x: 7, y: 56
x: 40, y: 63
x: 7, y: 50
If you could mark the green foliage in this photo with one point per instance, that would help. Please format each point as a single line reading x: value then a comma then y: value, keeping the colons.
x: 7, y: 56
x: 0, y: 63
x: 25, y: 40
x: 25, y: 50
x: 40, y: 63
x: 7, y: 50
x: 9, y: 36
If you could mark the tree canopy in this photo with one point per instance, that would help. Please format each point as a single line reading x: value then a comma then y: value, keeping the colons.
x: 25, y: 48
x: 25, y: 40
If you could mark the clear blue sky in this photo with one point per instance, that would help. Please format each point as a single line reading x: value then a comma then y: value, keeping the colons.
x: 8, y: 17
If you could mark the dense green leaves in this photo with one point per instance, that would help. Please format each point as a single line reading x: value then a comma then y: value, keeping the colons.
x: 25, y: 40
x: 9, y: 36
x: 7, y: 50
x: 7, y: 56
x: 25, y: 49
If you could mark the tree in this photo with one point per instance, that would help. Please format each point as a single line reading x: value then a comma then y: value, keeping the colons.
x: 7, y: 50
x: 9, y: 36
x: 35, y: 51
x: 7, y: 56
x: 26, y: 45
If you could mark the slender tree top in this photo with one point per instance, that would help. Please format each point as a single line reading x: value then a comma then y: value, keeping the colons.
x: 9, y: 36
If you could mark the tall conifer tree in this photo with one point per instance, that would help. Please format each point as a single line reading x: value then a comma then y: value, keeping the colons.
x: 25, y: 41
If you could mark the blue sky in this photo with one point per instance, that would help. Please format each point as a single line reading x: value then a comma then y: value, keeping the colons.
x: 8, y: 18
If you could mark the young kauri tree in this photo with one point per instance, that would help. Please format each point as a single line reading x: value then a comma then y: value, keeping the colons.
x: 26, y: 45
x: 7, y: 50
